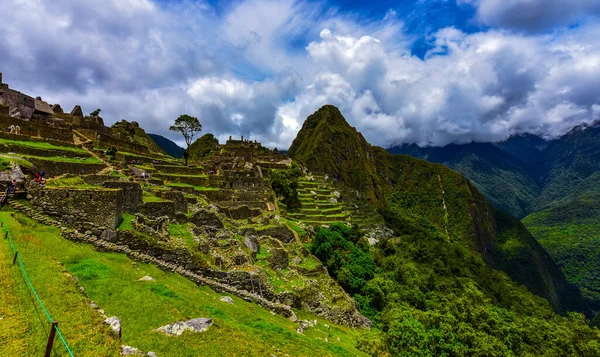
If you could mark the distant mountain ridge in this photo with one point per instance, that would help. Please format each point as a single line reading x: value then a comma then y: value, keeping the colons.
x: 547, y: 183
x: 167, y: 145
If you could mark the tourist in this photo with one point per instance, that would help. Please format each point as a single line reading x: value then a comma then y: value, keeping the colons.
x: 12, y: 186
x: 42, y: 174
x: 37, y: 178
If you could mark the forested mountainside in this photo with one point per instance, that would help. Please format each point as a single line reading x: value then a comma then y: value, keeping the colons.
x: 551, y: 185
x: 452, y: 255
x: 167, y: 145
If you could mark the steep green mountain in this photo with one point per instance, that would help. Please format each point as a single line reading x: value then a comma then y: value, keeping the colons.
x: 451, y: 281
x: 168, y: 145
x: 571, y: 165
x: 501, y: 177
x: 553, y: 185
x: 433, y: 196
x: 327, y: 144
x: 203, y: 146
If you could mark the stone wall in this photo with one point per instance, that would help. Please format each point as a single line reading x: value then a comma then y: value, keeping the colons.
x: 4, y: 109
x: 57, y: 168
x: 190, y: 180
x: 178, y: 198
x: 107, y: 141
x: 8, y: 136
x: 101, y: 207
x: 96, y: 180
x: 132, y: 193
x: 239, y: 212
x: 37, y: 129
x: 158, y: 209
x: 181, y: 170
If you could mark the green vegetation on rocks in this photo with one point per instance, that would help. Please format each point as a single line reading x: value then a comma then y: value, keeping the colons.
x: 203, y: 147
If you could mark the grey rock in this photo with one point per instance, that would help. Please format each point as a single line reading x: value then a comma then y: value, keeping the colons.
x: 109, y: 235
x: 227, y: 299
x: 77, y: 112
x: 199, y: 324
x: 151, y: 354
x: 146, y: 278
x: 252, y: 244
x: 204, y: 218
x: 333, y: 200
x: 278, y: 258
x: 130, y: 351
x: 115, y: 324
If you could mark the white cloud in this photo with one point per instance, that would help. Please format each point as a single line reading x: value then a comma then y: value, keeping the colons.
x: 243, y: 72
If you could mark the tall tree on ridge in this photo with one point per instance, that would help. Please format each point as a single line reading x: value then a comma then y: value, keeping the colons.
x: 189, y: 127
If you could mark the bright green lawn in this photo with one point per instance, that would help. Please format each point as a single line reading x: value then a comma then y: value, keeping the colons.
x: 87, y: 160
x: 42, y: 145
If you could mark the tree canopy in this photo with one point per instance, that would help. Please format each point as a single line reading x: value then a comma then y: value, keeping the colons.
x: 189, y: 127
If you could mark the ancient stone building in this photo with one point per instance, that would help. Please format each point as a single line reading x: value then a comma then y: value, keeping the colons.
x: 19, y: 104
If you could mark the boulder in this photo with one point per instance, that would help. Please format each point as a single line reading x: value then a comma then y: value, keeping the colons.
x: 109, y: 235
x: 115, y: 324
x: 278, y: 258
x: 199, y: 324
x: 227, y: 299
x: 204, y: 218
x: 146, y: 278
x: 130, y: 351
x: 252, y: 244
x: 77, y: 111
x: 57, y: 109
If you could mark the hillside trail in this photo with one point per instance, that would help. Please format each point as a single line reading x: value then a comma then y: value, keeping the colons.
x: 80, y: 139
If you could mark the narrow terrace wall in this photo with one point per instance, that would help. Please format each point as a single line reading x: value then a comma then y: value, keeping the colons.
x: 57, y: 168
x: 37, y: 129
x: 101, y: 207
x: 132, y: 194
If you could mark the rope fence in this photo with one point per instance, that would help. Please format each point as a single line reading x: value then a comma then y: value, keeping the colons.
x: 54, y: 330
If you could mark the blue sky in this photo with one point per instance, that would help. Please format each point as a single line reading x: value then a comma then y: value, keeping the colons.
x: 430, y: 72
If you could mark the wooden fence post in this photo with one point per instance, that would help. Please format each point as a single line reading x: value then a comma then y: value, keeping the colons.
x: 51, y: 339
x: 15, y: 258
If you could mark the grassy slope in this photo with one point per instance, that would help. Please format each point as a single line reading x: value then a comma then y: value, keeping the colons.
x: 111, y: 280
x: 43, y: 145
x: 21, y: 331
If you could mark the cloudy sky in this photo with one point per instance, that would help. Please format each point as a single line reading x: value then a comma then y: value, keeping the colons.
x: 429, y: 72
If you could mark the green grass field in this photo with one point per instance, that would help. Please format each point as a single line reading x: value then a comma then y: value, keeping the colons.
x: 87, y: 160
x: 111, y: 280
x: 42, y: 145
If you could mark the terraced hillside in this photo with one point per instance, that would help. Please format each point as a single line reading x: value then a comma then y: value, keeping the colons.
x: 319, y: 204
x: 322, y: 204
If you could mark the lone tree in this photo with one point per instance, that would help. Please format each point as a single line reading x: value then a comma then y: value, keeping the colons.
x: 96, y: 112
x: 189, y: 127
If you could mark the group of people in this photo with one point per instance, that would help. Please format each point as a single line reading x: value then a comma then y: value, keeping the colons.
x: 39, y: 178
